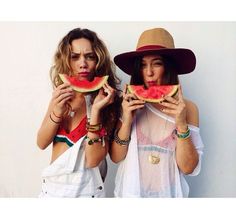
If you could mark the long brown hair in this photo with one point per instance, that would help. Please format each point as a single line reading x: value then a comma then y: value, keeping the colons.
x: 170, y: 76
x: 104, y: 67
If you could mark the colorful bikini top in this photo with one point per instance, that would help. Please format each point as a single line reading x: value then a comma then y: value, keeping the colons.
x: 73, y: 136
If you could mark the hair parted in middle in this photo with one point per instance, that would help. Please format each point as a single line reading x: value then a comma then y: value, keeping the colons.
x: 104, y: 67
x: 170, y: 75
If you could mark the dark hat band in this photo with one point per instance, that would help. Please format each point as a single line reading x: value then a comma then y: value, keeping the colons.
x: 150, y: 47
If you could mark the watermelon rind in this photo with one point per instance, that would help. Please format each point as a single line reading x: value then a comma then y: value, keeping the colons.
x: 144, y: 94
x: 85, y: 85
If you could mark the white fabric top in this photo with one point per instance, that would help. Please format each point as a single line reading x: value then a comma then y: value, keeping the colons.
x: 153, y: 136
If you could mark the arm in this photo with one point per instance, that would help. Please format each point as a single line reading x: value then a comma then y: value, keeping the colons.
x: 130, y: 104
x: 118, y: 152
x: 185, y: 113
x: 96, y: 152
x: 186, y: 154
x: 54, y: 115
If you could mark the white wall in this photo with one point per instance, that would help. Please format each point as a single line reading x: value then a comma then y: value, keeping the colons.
x: 26, y: 51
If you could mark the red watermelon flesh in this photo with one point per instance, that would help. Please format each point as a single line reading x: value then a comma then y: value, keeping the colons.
x: 84, y: 85
x: 153, y: 94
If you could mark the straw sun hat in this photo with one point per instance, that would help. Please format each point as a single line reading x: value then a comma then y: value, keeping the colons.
x: 157, y: 41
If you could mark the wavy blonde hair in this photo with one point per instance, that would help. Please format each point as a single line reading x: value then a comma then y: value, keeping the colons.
x: 104, y: 67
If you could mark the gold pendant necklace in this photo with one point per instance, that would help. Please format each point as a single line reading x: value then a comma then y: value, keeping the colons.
x: 153, y: 158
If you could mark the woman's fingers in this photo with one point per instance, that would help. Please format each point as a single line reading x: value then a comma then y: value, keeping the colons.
x: 63, y: 86
x: 129, y: 97
x: 135, y: 107
x: 61, y: 89
x: 105, y: 96
x: 171, y: 100
x: 64, y: 95
x: 108, y: 86
x: 109, y: 90
x: 169, y: 111
x: 136, y: 102
x: 169, y: 105
x: 64, y: 100
x: 180, y: 94
x: 58, y: 93
x: 125, y: 90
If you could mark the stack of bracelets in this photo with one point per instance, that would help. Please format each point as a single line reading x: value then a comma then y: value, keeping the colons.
x: 183, y: 135
x: 120, y: 141
x: 96, y: 129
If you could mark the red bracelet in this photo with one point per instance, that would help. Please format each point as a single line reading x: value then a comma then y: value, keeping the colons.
x: 102, y: 132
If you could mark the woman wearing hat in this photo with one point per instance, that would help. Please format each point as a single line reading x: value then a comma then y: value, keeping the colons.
x: 156, y: 144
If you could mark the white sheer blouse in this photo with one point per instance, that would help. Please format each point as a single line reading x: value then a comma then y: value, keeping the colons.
x: 155, y: 172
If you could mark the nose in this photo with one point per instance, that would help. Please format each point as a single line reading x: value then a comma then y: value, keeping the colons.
x: 149, y: 71
x: 82, y: 62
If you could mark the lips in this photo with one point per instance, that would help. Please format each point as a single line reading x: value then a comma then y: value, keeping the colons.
x: 83, y: 74
x: 151, y: 83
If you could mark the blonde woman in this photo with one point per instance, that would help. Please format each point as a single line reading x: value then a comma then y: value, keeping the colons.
x: 79, y: 125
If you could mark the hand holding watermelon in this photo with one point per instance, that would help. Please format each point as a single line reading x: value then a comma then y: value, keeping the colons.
x: 105, y: 97
x: 61, y: 95
x: 130, y: 104
x: 176, y: 108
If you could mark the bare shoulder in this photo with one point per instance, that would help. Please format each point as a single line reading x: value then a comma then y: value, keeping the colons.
x: 192, y: 113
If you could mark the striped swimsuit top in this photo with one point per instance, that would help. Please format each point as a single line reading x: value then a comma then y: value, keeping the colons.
x: 72, y: 137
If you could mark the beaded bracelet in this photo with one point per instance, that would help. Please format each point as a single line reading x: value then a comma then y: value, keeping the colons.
x: 184, y: 135
x: 120, y: 141
x: 92, y: 141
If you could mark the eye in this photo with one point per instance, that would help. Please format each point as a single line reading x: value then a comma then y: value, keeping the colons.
x: 91, y: 57
x: 143, y: 65
x: 74, y: 56
x: 158, y: 63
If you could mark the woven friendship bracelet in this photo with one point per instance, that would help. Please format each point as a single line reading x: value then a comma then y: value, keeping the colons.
x: 184, y: 135
x: 120, y: 141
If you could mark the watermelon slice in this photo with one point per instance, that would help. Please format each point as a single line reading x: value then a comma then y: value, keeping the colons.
x: 84, y: 85
x: 153, y: 94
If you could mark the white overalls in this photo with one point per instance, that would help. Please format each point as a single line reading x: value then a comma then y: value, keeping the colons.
x: 68, y: 176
